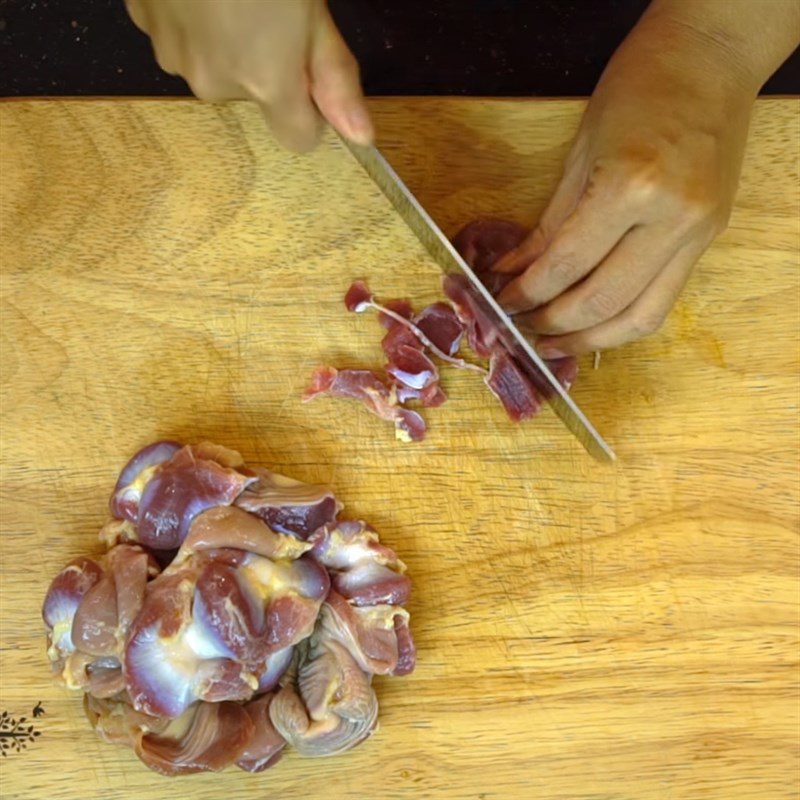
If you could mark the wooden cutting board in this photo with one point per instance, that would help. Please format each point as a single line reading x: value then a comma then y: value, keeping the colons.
x: 584, y: 631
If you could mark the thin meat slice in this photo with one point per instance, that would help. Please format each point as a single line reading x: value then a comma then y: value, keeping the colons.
x: 509, y: 384
x: 429, y: 397
x: 358, y: 297
x: 442, y: 326
x: 472, y: 310
x: 412, y: 368
x: 483, y: 241
x: 397, y: 337
x: 366, y: 387
x: 402, y: 308
x: 414, y: 375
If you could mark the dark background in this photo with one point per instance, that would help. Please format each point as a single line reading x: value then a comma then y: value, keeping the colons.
x: 468, y: 47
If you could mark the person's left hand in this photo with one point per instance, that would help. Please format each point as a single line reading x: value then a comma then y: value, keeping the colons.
x: 648, y: 184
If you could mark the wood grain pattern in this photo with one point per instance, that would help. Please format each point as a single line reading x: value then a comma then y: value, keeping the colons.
x: 585, y: 632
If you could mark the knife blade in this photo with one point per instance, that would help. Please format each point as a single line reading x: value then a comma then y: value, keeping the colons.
x: 449, y: 260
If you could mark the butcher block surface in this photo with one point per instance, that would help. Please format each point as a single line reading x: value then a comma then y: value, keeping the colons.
x: 585, y: 631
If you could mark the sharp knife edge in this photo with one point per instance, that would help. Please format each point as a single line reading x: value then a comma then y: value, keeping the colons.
x: 443, y: 252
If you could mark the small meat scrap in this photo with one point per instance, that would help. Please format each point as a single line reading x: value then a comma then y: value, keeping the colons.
x: 412, y: 368
x: 411, y: 342
x: 442, y: 326
x: 367, y: 387
x: 358, y: 297
x: 401, y: 308
x: 482, y: 335
x: 482, y: 243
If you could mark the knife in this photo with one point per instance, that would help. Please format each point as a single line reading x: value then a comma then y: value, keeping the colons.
x: 448, y: 258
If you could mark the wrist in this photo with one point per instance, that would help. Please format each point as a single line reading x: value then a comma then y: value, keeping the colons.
x: 666, y: 58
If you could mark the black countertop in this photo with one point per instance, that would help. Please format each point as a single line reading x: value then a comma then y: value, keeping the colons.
x: 405, y: 47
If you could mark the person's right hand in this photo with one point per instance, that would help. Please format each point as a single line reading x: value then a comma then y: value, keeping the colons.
x: 287, y: 55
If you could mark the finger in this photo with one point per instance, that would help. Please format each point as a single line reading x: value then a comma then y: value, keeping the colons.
x: 209, y: 84
x: 294, y: 120
x: 524, y: 254
x: 627, y: 270
x: 582, y: 242
x: 169, y: 47
x: 643, y: 317
x: 561, y: 205
x: 335, y: 84
x: 137, y: 14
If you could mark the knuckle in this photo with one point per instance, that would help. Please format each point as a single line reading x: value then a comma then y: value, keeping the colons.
x: 543, y: 320
x: 601, y: 305
x: 204, y: 87
x: 547, y: 225
x: 645, y: 184
x: 646, y: 323
x: 564, y: 267
x: 698, y: 213
x: 167, y: 62
x: 340, y: 76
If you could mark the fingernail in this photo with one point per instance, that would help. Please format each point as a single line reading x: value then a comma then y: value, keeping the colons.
x: 550, y: 351
x: 360, y: 125
x: 506, y: 299
x: 500, y: 264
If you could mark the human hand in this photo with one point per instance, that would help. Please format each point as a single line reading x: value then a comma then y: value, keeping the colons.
x: 287, y: 55
x: 648, y: 184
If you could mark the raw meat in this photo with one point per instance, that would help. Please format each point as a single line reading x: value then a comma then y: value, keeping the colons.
x: 481, y: 244
x: 512, y: 388
x: 441, y: 325
x: 287, y: 505
x: 437, y: 331
x: 367, y: 387
x: 234, y: 645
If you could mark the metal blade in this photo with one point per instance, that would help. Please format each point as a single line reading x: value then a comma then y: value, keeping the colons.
x: 446, y: 256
